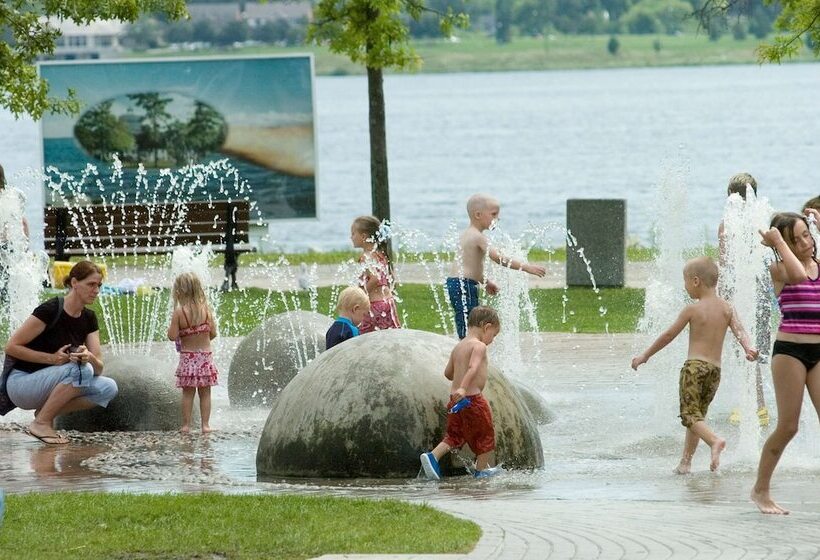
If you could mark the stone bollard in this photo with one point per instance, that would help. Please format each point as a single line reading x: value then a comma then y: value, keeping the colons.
x: 599, y: 227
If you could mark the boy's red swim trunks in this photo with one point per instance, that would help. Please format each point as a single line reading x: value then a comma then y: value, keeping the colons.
x: 472, y: 425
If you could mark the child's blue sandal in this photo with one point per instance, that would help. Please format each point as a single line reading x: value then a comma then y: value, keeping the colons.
x: 488, y: 472
x: 430, y: 465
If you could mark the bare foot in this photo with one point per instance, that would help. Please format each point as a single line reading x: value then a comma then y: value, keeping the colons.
x: 717, y: 449
x: 45, y: 433
x: 207, y: 429
x: 185, y: 429
x: 683, y: 468
x: 765, y: 503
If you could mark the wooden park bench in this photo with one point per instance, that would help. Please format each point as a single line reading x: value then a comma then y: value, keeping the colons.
x: 130, y: 229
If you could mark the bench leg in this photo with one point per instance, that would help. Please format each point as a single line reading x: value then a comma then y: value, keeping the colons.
x: 230, y: 273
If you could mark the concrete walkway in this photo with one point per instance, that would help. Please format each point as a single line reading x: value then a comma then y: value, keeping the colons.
x: 287, y: 277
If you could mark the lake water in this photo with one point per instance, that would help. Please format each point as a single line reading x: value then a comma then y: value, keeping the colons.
x: 534, y: 139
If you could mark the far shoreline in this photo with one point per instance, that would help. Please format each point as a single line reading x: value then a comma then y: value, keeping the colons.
x: 474, y: 52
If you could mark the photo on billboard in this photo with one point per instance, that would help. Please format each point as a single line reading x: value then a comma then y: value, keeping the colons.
x: 159, y: 114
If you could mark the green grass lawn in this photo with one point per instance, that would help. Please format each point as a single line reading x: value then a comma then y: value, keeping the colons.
x: 95, y: 525
x: 610, y: 310
x: 634, y: 253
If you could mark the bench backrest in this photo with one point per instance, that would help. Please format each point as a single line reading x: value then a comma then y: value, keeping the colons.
x: 152, y: 228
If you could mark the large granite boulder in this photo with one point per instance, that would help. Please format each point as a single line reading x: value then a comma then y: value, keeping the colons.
x: 272, y: 354
x: 369, y: 406
x: 147, y: 400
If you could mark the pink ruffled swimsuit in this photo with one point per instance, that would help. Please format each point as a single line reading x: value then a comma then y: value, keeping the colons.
x: 196, y: 367
x: 383, y: 313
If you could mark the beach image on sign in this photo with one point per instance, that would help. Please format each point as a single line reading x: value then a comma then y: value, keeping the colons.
x: 165, y: 114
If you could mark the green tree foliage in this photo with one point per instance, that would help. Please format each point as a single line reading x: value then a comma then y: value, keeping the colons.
x: 615, y: 8
x: 180, y: 32
x: 27, y: 35
x: 236, y: 31
x: 656, y: 16
x: 147, y: 33
x: 147, y: 127
x: 103, y: 134
x: 204, y: 31
x: 375, y: 33
x: 503, y: 21
x: 578, y: 16
x: 613, y: 45
x: 206, y: 131
x: 761, y: 20
x: 533, y: 16
x: 151, y: 137
x: 798, y: 23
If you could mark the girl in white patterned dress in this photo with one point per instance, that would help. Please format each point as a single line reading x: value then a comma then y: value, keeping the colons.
x: 192, y: 324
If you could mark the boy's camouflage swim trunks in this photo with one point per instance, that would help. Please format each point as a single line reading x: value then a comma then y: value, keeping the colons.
x: 699, y: 382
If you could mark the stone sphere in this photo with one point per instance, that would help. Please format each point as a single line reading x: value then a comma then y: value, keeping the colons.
x: 535, y: 403
x: 147, y: 400
x: 272, y: 354
x: 371, y: 405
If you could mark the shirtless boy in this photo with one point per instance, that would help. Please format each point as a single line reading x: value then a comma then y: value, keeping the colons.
x: 708, y: 319
x: 473, y: 247
x: 470, y: 419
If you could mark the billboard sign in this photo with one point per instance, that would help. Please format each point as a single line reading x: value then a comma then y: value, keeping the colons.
x: 159, y: 114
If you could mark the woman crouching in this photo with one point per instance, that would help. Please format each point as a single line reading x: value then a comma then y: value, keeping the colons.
x: 58, y: 361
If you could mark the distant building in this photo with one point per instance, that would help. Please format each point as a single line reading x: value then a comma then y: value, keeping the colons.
x: 253, y: 12
x: 99, y: 39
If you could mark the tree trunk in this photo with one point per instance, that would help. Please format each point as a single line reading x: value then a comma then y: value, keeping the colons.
x: 379, y: 185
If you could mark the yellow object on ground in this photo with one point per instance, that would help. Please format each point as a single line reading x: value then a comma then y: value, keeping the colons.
x: 734, y: 418
x: 60, y: 269
x: 763, y: 416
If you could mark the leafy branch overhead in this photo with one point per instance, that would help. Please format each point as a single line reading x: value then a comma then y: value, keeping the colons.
x: 798, y: 23
x: 374, y: 33
x: 26, y: 34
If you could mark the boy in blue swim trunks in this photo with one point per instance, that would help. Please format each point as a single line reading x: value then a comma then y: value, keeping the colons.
x: 351, y: 309
x: 473, y: 247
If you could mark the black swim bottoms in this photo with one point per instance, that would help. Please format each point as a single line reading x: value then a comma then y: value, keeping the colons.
x: 807, y: 352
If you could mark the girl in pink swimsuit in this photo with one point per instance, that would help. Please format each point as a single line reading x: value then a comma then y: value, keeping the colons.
x: 193, y: 325
x: 368, y: 234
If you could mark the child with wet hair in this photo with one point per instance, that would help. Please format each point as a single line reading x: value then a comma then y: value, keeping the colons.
x: 352, y: 307
x: 708, y: 319
x: 739, y: 184
x: 470, y: 419
x: 812, y: 204
x: 192, y: 322
x: 742, y: 184
x: 473, y: 247
x: 372, y: 237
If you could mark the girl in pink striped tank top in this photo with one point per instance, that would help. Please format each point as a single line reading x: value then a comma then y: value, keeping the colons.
x: 796, y: 352
x: 192, y: 323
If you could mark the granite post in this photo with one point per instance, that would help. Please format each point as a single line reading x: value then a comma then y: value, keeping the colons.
x: 598, y: 227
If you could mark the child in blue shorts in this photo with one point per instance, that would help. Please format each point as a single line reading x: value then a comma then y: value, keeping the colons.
x: 473, y: 247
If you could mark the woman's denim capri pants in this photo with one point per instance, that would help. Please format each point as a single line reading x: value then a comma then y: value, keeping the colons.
x: 30, y: 391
